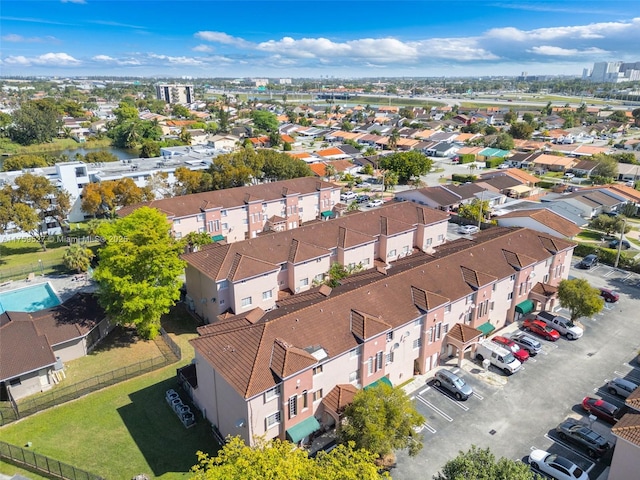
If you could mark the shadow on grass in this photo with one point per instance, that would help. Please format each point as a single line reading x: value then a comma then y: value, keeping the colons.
x: 179, y: 321
x: 165, y: 443
x: 119, y: 337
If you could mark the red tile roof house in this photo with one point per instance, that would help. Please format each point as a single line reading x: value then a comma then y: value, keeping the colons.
x: 234, y: 214
x: 541, y: 220
x: 32, y: 343
x: 278, y: 374
x: 257, y: 273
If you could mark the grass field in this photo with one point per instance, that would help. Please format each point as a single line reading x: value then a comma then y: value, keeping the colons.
x: 125, y: 429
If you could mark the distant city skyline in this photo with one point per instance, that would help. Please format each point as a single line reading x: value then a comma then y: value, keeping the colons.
x: 349, y: 39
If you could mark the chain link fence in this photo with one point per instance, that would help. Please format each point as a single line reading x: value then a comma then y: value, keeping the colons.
x: 40, y: 463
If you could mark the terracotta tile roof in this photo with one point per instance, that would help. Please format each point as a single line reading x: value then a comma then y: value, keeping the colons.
x: 475, y: 278
x: 426, y: 301
x: 390, y: 226
x: 302, y: 251
x: 441, y: 195
x: 517, y: 260
x: 633, y: 400
x: 464, y: 333
x: 549, y: 219
x: 553, y: 160
x: 329, y: 152
x: 242, y: 354
x: 630, y: 193
x: 340, y: 397
x: 22, y: 348
x: 287, y: 359
x: 628, y: 428
x: 216, y: 260
x: 231, y: 197
x: 544, y: 289
x: 522, y: 176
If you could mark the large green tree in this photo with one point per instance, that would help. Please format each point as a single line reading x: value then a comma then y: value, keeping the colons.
x: 580, y: 298
x: 407, y: 165
x: 522, y: 130
x: 481, y: 464
x: 139, y: 271
x: 265, y: 121
x: 18, y: 162
x: 281, y: 460
x: 382, y: 419
x: 476, y: 210
x: 36, y: 121
x: 77, y: 257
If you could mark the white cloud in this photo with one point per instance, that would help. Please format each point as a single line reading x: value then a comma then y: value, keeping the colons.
x: 221, y: 37
x: 565, y: 52
x: 48, y: 59
x: 14, y: 38
x: 73, y: 1
x: 178, y: 60
x: 591, y: 31
x: 202, y: 48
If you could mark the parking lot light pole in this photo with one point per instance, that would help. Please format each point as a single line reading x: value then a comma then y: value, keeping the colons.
x: 624, y: 225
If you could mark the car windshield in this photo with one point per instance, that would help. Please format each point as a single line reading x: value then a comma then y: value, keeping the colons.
x: 577, y: 472
x: 548, y: 328
x: 458, y: 382
x: 509, y: 358
x: 515, y: 348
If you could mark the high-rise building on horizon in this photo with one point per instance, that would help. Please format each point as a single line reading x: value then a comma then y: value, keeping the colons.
x: 172, y: 93
x: 612, y: 72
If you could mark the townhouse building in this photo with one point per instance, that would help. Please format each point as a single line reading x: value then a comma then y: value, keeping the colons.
x: 256, y: 273
x: 288, y: 372
x: 237, y: 213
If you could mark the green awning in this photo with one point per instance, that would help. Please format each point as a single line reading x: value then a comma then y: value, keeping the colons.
x: 525, y: 307
x: 380, y: 381
x: 303, y: 429
x: 217, y: 238
x: 486, y: 328
x: 326, y: 213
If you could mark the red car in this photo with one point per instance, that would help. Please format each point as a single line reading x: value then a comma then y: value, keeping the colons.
x: 540, y: 328
x: 601, y: 409
x: 520, y: 353
x: 609, y: 295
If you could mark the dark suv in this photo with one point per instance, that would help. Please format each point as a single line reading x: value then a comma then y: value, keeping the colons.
x: 576, y: 432
x: 588, y: 262
x: 615, y: 243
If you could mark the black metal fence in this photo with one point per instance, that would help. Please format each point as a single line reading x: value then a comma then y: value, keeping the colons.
x: 40, y: 463
x: 38, y: 268
x: 60, y: 395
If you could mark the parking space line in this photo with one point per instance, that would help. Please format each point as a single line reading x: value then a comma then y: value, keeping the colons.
x: 429, y: 427
x: 424, y: 390
x: 570, y: 448
x: 455, y: 402
x: 435, y: 409
x: 628, y: 374
x: 611, y: 398
x: 478, y: 396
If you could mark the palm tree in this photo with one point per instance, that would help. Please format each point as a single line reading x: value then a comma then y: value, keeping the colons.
x: 393, y: 139
x: 78, y: 258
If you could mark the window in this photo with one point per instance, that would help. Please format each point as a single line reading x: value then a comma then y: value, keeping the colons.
x: 272, y: 419
x: 438, y: 331
x: 305, y: 400
x: 493, y: 287
x: 492, y: 305
x: 447, y: 308
x: 221, y: 302
x: 365, y: 261
x: 512, y: 278
x: 522, y: 288
x: 469, y: 300
x: 354, y: 352
x: 245, y: 221
x: 176, y: 221
x: 200, y: 217
x: 225, y: 226
x: 354, y: 376
x: 293, y: 406
x: 468, y: 316
x: 317, y: 370
x: 430, y: 335
x: 283, y: 266
x: 392, y: 253
x: 388, y: 358
x: 245, y: 302
x: 223, y: 284
x: 317, y: 395
x: 267, y: 295
x: 389, y: 336
x: 417, y: 343
x: 304, y: 282
x: 440, y: 237
x: 418, y: 322
x: 546, y: 278
x: 223, y: 213
x: 178, y: 235
x: 429, y: 241
x: 201, y: 229
x: 370, y: 366
x: 379, y: 356
x: 272, y: 393
x: 445, y: 328
x: 405, y: 249
x: 318, y: 278
x: 14, y: 382
x: 510, y: 296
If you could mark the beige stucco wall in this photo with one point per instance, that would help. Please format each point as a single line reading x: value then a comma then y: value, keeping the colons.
x: 201, y: 289
x: 307, y: 270
x: 254, y: 288
x: 396, y: 246
x: 182, y: 226
x: 30, y: 383
x: 624, y: 465
x: 70, y: 350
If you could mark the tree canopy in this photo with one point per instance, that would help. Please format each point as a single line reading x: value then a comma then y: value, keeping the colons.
x: 476, y: 210
x: 382, y: 419
x: 77, y: 257
x: 281, y: 460
x: 265, y: 121
x: 139, y: 271
x: 102, y: 199
x: 407, y: 165
x: 18, y: 162
x: 580, y: 298
x: 481, y: 464
x: 36, y: 121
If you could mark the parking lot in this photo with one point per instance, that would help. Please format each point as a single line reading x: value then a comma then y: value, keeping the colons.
x: 516, y: 414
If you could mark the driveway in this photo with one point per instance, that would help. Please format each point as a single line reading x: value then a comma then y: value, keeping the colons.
x: 514, y: 415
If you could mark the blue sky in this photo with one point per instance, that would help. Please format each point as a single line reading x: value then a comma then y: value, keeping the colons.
x: 307, y: 38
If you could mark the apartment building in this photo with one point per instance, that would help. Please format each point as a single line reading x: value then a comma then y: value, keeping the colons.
x: 173, y: 93
x: 282, y: 374
x: 256, y: 273
x: 235, y: 214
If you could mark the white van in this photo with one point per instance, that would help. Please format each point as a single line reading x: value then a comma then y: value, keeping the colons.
x: 498, y: 356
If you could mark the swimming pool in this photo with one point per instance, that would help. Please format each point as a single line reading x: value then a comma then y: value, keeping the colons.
x: 29, y: 299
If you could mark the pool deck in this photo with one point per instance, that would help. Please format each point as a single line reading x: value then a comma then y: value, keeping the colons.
x: 66, y: 286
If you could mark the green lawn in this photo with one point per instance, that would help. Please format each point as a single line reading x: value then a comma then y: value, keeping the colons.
x: 118, y: 432
x: 590, y: 236
x: 10, y: 469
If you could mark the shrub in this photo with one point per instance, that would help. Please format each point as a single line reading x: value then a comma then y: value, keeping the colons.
x: 493, y: 162
x: 467, y: 158
x: 457, y: 177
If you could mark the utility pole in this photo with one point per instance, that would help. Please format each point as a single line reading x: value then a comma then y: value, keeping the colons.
x: 624, y: 225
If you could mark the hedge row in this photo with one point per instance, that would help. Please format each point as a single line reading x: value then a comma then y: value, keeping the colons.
x: 457, y: 177
x: 493, y: 162
x: 608, y: 256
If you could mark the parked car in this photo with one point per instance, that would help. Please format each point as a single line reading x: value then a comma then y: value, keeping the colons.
x: 589, y: 261
x: 520, y: 353
x: 616, y: 242
x: 468, y: 229
x: 609, y: 295
x: 540, y: 328
x: 363, y: 185
x: 603, y: 410
x: 563, y: 325
x: 556, y: 466
x: 527, y: 342
x: 569, y: 175
x: 576, y: 432
x: 621, y: 387
x: 363, y: 198
x: 453, y: 383
x: 504, y: 166
x: 375, y: 203
x: 348, y: 196
x: 499, y: 357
